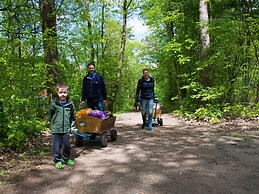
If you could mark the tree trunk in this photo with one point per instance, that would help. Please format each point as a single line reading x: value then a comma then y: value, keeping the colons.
x: 205, y: 42
x: 123, y: 36
x: 88, y: 16
x: 125, y: 9
x: 170, y: 29
x: 102, y: 30
x: 48, y: 16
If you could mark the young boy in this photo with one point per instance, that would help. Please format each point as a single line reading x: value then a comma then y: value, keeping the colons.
x: 62, y: 120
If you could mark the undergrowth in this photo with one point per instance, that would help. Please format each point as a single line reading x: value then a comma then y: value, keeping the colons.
x: 214, y: 113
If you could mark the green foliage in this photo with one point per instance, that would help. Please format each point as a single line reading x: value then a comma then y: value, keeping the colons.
x: 232, y: 64
x: 21, y: 121
x: 2, y: 173
x: 197, y: 95
x: 213, y: 113
x: 210, y: 94
x: 132, y: 72
x: 171, y: 51
x: 242, y: 110
x: 24, y: 72
x: 16, y: 138
x: 210, y: 113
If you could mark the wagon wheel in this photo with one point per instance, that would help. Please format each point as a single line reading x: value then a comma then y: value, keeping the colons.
x: 161, y: 122
x: 104, y: 139
x: 92, y: 136
x: 79, y: 141
x: 113, y: 135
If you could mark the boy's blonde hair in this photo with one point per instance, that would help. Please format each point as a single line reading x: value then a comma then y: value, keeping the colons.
x: 63, y: 86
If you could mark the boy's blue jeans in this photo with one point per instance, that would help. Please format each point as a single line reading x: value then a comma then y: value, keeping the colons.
x: 59, y: 140
x: 147, y: 105
x: 95, y: 103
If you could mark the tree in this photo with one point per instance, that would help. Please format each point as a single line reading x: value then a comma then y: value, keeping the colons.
x: 88, y: 18
x: 212, y: 64
x: 49, y: 30
x: 125, y: 11
x: 205, y: 41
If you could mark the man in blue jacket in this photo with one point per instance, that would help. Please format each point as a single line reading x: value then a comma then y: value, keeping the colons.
x: 145, y: 95
x: 94, y: 89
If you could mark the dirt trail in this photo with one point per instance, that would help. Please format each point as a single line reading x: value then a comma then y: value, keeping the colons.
x: 175, y: 158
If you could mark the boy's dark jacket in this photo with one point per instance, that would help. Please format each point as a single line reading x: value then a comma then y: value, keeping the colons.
x: 146, y: 89
x: 62, y: 119
x: 93, y: 89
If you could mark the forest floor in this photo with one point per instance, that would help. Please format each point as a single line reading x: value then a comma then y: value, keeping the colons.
x: 179, y: 157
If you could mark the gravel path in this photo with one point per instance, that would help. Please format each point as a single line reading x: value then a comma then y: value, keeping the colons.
x: 178, y: 157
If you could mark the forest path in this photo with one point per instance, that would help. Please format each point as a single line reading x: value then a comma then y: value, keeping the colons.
x: 178, y: 157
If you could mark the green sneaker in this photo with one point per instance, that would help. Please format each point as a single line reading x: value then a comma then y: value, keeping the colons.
x: 69, y: 162
x: 59, y: 165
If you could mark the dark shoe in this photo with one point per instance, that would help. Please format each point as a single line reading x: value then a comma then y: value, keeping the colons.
x: 143, y: 126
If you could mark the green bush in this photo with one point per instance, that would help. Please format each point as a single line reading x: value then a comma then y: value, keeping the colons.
x: 210, y: 113
x: 21, y: 121
x: 241, y: 110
